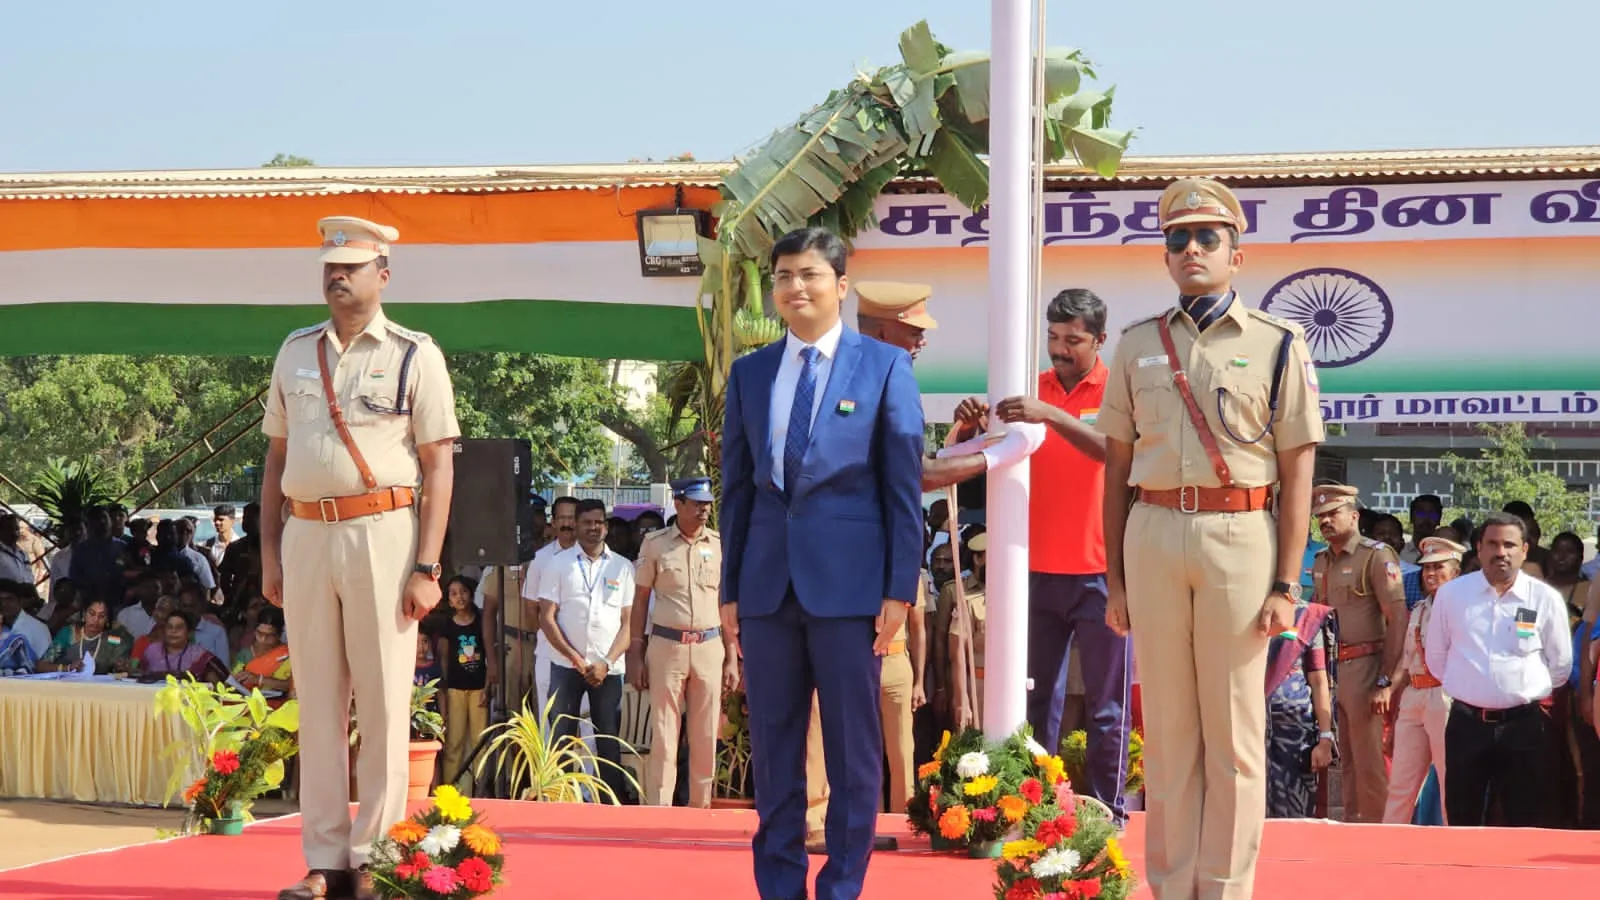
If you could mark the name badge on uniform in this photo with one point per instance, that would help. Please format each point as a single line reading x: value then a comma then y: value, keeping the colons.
x: 1146, y: 362
x: 308, y: 373
x: 705, y: 554
x: 1527, y: 622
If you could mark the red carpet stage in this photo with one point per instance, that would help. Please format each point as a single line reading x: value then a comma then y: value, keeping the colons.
x: 556, y: 852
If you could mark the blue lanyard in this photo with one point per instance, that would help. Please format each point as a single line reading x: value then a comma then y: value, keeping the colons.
x: 589, y: 584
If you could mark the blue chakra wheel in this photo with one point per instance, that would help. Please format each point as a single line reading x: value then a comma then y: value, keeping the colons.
x: 1345, y: 314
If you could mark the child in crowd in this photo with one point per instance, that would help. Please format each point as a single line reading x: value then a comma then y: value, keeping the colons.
x: 460, y: 650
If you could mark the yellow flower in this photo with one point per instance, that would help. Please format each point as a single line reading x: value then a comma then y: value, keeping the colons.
x: 407, y: 832
x: 981, y: 785
x: 1013, y: 808
x: 1118, y: 861
x: 938, y: 755
x: 1021, y: 849
x: 451, y: 805
x: 1052, y: 767
x: 954, y: 823
x: 482, y: 841
x: 927, y: 770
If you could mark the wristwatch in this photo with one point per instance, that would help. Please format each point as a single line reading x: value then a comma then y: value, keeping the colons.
x: 1325, y: 736
x: 1292, y: 591
x: 432, y: 570
x: 1384, y: 681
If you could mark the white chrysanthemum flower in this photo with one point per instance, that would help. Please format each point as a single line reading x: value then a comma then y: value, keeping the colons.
x: 971, y: 765
x: 1056, y: 863
x: 440, y: 839
x: 1035, y: 748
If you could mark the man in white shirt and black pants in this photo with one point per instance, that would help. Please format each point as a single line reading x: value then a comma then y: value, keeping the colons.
x: 1498, y: 641
x: 585, y: 596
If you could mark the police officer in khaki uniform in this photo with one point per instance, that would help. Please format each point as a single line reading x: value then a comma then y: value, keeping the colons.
x: 677, y: 652
x: 1359, y: 578
x: 361, y: 422
x: 1424, y: 706
x: 1203, y: 562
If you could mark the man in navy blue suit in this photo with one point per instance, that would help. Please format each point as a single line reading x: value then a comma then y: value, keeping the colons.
x: 822, y: 548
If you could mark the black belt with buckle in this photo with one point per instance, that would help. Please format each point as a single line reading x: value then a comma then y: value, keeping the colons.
x: 1497, y: 716
x: 684, y: 637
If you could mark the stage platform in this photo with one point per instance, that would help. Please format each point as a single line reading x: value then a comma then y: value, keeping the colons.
x: 559, y: 852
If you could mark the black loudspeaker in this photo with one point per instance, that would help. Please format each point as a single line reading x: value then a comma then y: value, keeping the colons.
x: 491, y: 508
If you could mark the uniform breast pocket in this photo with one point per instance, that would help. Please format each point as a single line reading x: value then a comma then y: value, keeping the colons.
x: 1245, y: 402
x: 374, y: 405
x: 1155, y: 397
x: 303, y: 404
x: 709, y: 576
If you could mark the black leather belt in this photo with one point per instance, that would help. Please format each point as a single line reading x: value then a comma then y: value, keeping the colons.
x: 1497, y: 716
x: 684, y: 637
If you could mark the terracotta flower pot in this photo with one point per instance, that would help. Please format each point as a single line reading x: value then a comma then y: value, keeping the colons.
x: 732, y: 803
x: 423, y: 755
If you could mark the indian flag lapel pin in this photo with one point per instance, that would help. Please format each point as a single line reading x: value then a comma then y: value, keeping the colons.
x: 847, y: 406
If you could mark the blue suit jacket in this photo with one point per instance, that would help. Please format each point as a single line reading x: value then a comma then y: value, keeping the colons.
x: 849, y: 533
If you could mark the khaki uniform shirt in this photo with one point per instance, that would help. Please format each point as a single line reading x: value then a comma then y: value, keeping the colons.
x: 686, y: 577
x: 1411, y: 658
x: 1359, y: 581
x: 366, y: 382
x: 977, y: 603
x: 1237, y: 357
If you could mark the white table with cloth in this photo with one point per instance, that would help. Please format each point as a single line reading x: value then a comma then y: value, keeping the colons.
x: 90, y: 740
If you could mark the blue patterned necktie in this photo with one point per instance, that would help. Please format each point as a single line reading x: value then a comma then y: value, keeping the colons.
x: 798, y: 437
x: 1206, y: 309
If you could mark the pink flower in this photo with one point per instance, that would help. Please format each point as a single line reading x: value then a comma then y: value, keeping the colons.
x: 986, y: 814
x: 1064, y: 796
x: 441, y: 879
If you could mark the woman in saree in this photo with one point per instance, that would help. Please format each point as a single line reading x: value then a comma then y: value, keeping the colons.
x: 108, y: 644
x: 1299, y: 713
x: 177, y: 654
x: 265, y: 663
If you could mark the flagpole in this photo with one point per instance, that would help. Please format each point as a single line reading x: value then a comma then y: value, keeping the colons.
x: 1010, y: 363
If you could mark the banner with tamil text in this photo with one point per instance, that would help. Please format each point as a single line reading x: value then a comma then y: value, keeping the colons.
x: 1467, y: 301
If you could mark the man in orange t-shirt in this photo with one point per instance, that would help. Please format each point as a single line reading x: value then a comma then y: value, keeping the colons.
x: 1067, y: 548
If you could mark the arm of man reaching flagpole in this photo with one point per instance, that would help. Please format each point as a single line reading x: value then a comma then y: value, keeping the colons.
x: 1019, y: 442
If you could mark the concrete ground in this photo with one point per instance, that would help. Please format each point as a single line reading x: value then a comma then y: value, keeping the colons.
x: 37, y: 830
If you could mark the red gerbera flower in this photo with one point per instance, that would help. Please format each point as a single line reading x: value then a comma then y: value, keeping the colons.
x: 1033, y: 791
x: 1025, y: 889
x: 225, y: 762
x: 476, y: 875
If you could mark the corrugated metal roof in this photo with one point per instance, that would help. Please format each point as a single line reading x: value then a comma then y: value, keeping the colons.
x: 1257, y: 169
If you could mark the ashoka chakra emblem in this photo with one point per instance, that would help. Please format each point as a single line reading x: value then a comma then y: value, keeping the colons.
x: 1346, y: 316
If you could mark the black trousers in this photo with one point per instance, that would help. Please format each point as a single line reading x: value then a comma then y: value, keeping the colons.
x: 1499, y: 757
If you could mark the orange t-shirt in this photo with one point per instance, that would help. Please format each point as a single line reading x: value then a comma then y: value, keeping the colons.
x: 1066, y: 534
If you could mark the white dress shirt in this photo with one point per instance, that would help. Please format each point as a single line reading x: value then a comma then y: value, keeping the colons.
x: 785, y: 382
x: 592, y: 600
x: 137, y: 622
x: 531, y: 579
x: 1474, y: 647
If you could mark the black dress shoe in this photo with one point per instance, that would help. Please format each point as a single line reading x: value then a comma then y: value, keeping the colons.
x: 320, y: 884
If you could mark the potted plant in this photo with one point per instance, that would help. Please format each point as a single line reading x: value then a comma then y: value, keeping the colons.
x: 427, y: 739
x: 237, y: 744
x: 733, y: 787
x: 543, y: 767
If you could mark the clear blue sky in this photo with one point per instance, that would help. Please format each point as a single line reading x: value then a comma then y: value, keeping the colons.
x: 179, y: 84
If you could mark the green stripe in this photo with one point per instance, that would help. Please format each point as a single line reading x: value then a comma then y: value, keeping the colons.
x: 556, y: 327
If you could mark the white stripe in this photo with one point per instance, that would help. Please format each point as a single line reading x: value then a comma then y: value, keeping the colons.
x: 592, y: 271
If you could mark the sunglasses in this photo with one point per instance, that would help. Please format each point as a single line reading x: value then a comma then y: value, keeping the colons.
x: 1178, y: 239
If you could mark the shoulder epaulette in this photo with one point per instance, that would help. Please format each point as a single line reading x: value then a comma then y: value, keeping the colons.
x: 415, y: 337
x: 1291, y: 327
x: 1147, y: 319
x: 305, y: 332
x: 714, y: 533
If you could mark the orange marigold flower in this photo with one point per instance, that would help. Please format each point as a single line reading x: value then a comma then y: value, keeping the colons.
x: 927, y: 770
x: 407, y: 832
x: 955, y: 822
x: 193, y: 791
x: 482, y: 841
x: 1013, y: 807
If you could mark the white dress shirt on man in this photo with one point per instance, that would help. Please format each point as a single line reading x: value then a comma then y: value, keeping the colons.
x: 1475, y: 647
x: 592, y: 598
x: 785, y: 382
x: 35, y: 632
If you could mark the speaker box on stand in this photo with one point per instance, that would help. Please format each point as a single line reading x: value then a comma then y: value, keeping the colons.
x: 491, y: 509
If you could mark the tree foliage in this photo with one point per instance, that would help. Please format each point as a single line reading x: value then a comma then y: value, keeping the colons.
x: 1507, y: 470
x: 287, y: 161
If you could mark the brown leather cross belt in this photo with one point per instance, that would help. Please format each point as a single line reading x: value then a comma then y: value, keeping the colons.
x: 1348, y: 652
x: 338, y: 509
x: 1193, y: 499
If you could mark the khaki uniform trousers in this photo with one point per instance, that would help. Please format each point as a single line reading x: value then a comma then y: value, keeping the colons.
x: 1418, y: 744
x: 894, y: 703
x: 342, y: 590
x: 465, y: 718
x: 1195, y: 584
x: 1363, y: 777
x: 683, y: 676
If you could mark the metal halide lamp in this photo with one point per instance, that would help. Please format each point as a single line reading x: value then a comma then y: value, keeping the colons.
x: 669, y: 242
